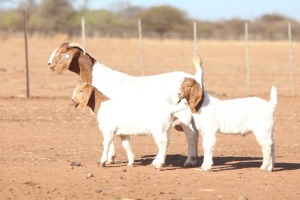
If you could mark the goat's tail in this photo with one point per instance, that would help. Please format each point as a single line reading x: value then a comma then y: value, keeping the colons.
x: 273, y: 97
x: 197, y: 61
x: 199, y: 69
x: 182, y: 105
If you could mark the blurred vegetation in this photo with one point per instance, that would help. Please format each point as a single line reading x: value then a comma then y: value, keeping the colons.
x: 51, y: 17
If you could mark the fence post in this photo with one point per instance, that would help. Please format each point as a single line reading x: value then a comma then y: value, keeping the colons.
x: 141, y: 46
x: 83, y: 32
x: 85, y: 2
x: 26, y: 55
x: 247, y: 59
x: 291, y: 59
x: 196, y: 51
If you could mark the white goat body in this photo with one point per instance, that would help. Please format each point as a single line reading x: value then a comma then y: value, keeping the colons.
x: 157, y: 87
x: 115, y: 84
x: 234, y: 116
x: 130, y: 116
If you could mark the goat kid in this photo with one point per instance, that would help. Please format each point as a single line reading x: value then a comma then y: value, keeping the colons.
x: 162, y: 87
x: 234, y: 116
x: 128, y: 116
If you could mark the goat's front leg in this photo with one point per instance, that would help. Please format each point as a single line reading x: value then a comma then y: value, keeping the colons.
x: 162, y: 142
x: 107, y: 140
x: 208, y: 143
x: 127, y: 146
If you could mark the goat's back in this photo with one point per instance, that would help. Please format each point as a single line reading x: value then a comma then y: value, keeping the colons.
x: 116, y: 84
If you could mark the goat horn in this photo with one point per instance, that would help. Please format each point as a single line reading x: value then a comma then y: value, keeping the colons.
x: 74, y: 44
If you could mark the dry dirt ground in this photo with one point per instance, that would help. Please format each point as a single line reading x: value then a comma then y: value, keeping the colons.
x: 48, y: 148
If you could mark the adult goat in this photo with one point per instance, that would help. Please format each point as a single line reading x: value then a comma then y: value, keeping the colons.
x: 73, y: 57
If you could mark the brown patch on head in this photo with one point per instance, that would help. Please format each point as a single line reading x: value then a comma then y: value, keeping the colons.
x: 87, y: 95
x: 73, y: 59
x: 193, y: 93
x: 63, y: 57
x: 82, y: 94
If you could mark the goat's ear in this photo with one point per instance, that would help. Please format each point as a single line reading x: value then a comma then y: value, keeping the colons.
x: 71, y: 58
x: 88, y: 88
x: 196, y: 98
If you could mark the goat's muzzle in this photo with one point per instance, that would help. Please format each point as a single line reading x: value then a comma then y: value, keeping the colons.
x: 51, y: 66
x: 76, y: 103
x: 180, y: 95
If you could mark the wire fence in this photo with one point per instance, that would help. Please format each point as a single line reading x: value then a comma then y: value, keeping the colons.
x: 228, y: 71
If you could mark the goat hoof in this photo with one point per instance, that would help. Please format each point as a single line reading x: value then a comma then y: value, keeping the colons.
x: 263, y: 168
x: 191, y: 163
x: 102, y: 164
x: 157, y: 164
x: 130, y: 165
x: 269, y: 169
x: 111, y: 160
x: 205, y: 168
x: 158, y: 167
x: 188, y: 165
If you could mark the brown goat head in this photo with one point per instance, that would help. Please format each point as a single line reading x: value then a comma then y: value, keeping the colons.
x: 65, y: 57
x: 82, y: 94
x: 192, y: 92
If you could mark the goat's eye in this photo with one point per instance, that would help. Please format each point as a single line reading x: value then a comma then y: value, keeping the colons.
x: 67, y: 56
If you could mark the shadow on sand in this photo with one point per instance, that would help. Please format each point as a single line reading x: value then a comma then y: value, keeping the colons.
x: 176, y: 161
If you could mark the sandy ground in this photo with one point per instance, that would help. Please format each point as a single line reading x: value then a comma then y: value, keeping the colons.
x: 43, y: 136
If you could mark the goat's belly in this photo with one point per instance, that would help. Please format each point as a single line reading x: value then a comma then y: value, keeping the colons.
x: 132, y: 131
x: 235, y: 131
x: 235, y: 127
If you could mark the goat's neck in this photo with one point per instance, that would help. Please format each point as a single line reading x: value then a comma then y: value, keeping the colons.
x: 83, y: 67
x: 95, y: 100
x: 110, y: 81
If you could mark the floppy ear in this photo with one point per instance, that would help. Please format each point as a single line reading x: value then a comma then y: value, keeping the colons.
x: 71, y: 58
x: 196, y: 98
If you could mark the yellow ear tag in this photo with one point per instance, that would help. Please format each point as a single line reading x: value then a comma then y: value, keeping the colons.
x: 67, y: 56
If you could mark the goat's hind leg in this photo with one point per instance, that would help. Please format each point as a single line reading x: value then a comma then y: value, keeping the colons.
x: 162, y: 142
x: 111, y: 153
x: 127, y: 146
x: 107, y: 140
x: 192, y: 136
x: 265, y: 139
x: 268, y: 156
